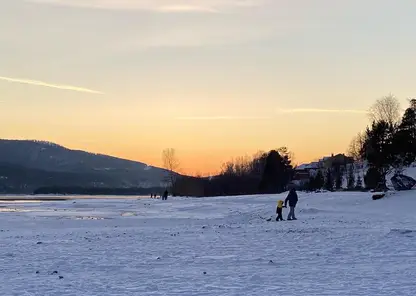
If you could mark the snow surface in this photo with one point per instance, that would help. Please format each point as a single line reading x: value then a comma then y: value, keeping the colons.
x: 342, y: 244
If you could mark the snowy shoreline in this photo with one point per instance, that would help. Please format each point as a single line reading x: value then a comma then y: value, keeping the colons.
x: 57, y: 197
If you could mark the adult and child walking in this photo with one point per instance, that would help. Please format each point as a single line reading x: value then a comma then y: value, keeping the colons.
x: 292, y: 200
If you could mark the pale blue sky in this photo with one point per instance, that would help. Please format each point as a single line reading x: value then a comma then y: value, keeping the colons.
x: 234, y: 62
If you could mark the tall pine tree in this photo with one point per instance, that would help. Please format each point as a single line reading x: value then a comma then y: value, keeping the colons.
x: 404, y: 141
x: 378, y: 150
x: 277, y: 173
x: 338, y: 177
x: 320, y: 181
x: 316, y: 182
x: 359, y: 183
x: 329, y: 181
x: 351, y: 177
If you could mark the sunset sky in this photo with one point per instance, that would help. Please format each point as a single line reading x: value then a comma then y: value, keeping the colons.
x: 213, y: 79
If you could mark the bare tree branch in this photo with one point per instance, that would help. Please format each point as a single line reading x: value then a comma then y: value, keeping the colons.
x: 355, y: 147
x: 386, y: 109
x: 170, y: 163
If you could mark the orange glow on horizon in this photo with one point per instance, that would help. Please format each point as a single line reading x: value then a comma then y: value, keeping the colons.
x: 210, y: 164
x: 201, y: 146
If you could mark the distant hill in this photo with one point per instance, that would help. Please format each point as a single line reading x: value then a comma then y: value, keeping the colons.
x: 30, y: 164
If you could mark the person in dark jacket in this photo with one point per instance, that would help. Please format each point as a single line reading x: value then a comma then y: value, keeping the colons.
x: 292, y: 199
x: 165, y: 195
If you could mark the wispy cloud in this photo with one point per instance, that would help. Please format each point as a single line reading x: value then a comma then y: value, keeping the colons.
x: 315, y: 110
x: 197, y: 36
x: 209, y: 6
x: 186, y: 8
x: 46, y: 84
x: 281, y: 111
x: 221, y: 118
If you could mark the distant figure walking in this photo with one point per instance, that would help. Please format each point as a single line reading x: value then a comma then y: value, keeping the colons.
x: 165, y: 195
x: 292, y: 198
x: 279, y: 210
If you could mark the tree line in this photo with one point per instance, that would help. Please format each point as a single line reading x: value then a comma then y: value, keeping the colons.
x: 388, y: 144
x: 264, y: 172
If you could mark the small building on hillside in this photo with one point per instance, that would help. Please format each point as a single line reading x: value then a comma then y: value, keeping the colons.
x: 304, y: 172
x: 336, y: 160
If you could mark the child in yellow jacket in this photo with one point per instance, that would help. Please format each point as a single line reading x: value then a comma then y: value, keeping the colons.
x: 279, y: 210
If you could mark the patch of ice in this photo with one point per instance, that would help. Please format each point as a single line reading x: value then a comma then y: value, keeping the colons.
x: 88, y: 218
x: 128, y: 214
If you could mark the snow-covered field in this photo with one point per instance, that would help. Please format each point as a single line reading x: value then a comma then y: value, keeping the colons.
x: 342, y: 244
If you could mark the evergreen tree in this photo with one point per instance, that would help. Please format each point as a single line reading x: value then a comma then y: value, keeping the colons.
x: 359, y: 184
x: 404, y: 141
x: 277, y: 173
x: 413, y: 104
x: 329, y: 182
x: 372, y: 178
x: 351, y: 178
x: 287, y: 166
x: 338, y: 177
x: 319, y: 180
x: 316, y: 182
x: 311, y: 185
x: 378, y: 150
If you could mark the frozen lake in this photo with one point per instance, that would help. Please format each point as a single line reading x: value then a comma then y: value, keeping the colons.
x: 342, y: 244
